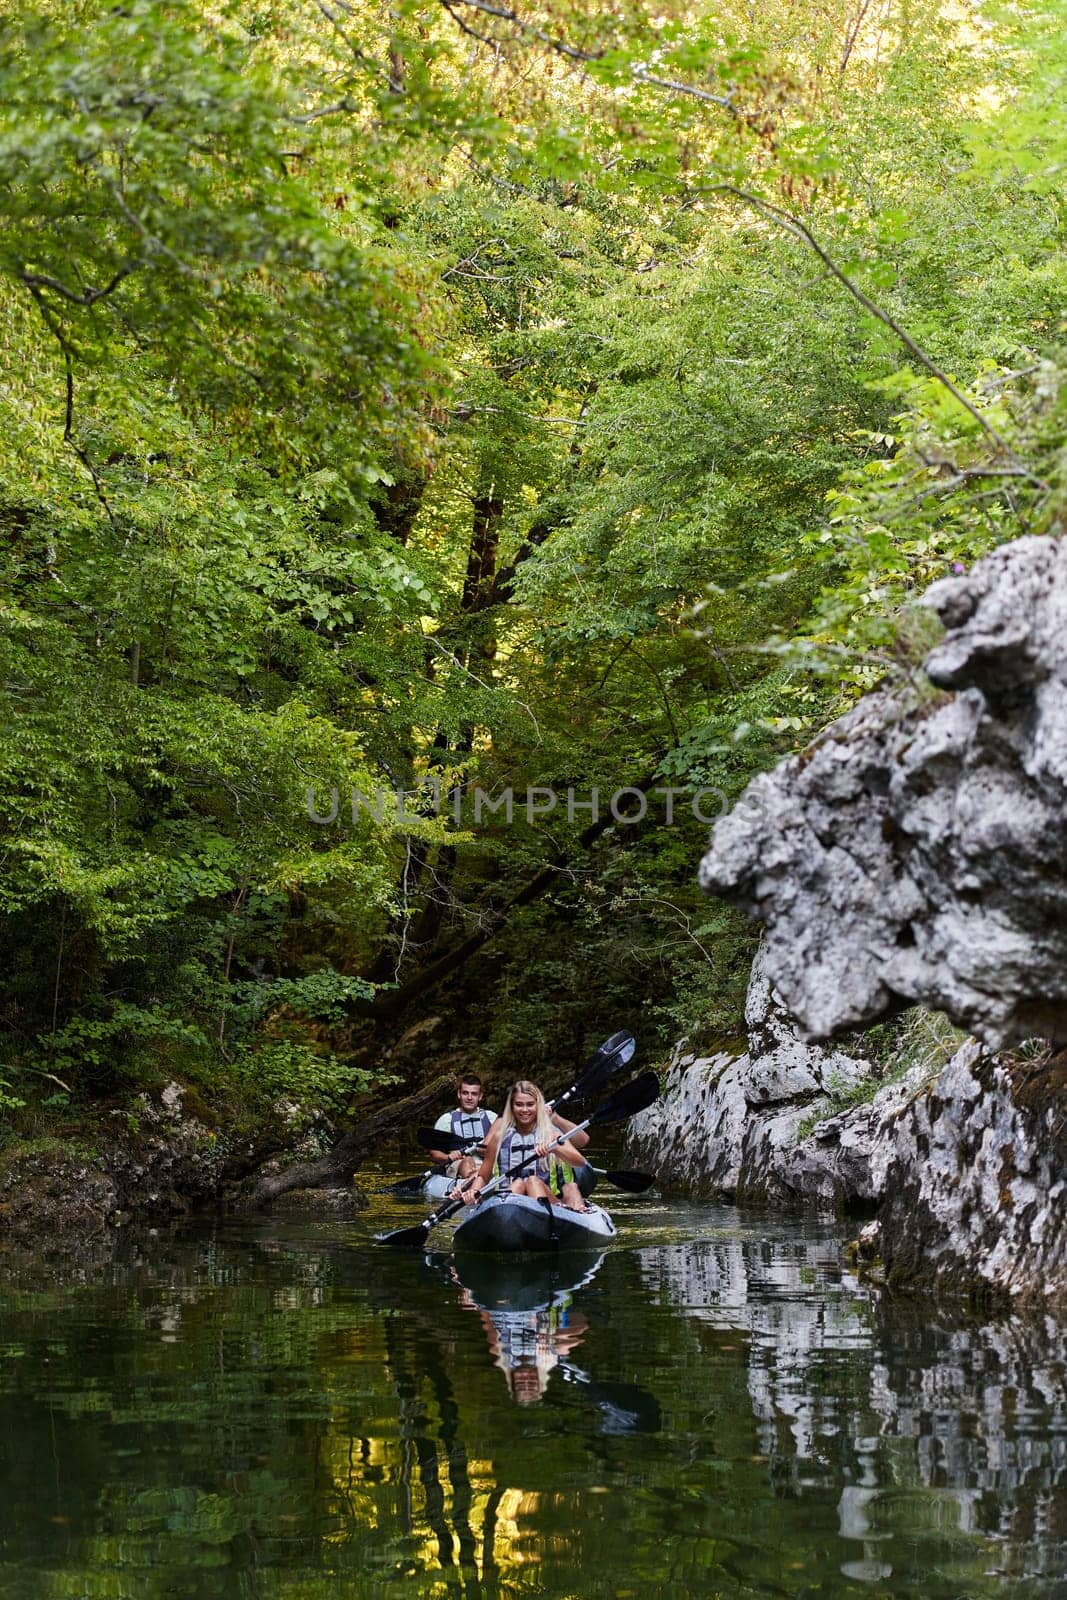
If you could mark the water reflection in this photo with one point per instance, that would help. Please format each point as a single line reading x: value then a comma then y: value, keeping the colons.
x: 526, y: 1306
x: 532, y: 1324
x: 289, y: 1413
x: 952, y: 1428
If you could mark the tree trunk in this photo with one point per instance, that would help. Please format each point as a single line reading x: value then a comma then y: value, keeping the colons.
x: 334, y: 1170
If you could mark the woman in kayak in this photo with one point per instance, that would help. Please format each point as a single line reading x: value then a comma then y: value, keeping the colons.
x: 525, y: 1128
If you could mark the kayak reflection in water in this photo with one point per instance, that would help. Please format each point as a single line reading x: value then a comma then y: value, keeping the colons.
x: 527, y: 1346
x: 525, y: 1128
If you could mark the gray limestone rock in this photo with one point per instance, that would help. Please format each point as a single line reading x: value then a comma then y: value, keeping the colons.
x: 968, y: 1165
x: 729, y: 1124
x: 975, y: 1181
x: 916, y: 852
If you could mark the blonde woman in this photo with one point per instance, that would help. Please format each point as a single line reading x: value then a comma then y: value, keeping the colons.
x: 525, y: 1128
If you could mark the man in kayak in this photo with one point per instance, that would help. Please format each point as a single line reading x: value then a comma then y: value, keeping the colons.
x: 526, y: 1128
x: 469, y: 1121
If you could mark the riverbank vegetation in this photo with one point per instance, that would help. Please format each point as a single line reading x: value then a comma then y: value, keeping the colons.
x: 450, y: 400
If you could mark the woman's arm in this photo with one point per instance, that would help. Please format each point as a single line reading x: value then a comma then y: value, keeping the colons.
x: 564, y: 1152
x: 470, y: 1186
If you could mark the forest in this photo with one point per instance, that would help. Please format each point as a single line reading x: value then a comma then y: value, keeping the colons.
x: 447, y: 449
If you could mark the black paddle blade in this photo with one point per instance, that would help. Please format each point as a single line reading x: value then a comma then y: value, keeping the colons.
x: 607, y: 1059
x: 405, y: 1238
x: 635, y: 1096
x: 632, y: 1182
x: 405, y: 1186
x: 438, y: 1139
x: 622, y: 1044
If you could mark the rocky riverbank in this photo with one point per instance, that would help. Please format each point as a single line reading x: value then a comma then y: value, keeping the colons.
x: 757, y: 1124
x: 168, y: 1155
x: 914, y: 853
x: 960, y: 1170
x: 152, y: 1164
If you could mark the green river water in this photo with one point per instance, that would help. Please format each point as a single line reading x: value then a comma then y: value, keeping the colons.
x: 286, y: 1411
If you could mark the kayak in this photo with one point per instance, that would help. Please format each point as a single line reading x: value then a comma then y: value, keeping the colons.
x: 510, y: 1222
x: 439, y: 1187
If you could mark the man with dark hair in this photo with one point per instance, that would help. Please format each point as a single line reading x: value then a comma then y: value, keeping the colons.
x: 469, y: 1121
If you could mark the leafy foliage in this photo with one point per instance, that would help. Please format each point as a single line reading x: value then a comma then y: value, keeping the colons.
x: 452, y: 399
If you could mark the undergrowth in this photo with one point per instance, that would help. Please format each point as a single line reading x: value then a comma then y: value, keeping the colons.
x: 917, y: 1038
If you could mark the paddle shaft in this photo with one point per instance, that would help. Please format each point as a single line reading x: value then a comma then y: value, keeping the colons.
x: 417, y: 1182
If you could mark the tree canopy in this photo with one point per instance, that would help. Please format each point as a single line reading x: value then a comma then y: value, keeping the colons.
x: 452, y: 400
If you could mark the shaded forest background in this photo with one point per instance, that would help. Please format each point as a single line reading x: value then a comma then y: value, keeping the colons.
x: 437, y: 397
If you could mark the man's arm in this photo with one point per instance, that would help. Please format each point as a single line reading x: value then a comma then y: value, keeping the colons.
x: 580, y: 1140
x: 443, y: 1155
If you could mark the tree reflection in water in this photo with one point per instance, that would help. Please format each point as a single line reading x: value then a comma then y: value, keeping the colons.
x: 285, y: 1412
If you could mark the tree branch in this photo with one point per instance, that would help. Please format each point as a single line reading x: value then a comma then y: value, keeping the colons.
x: 335, y: 1169
x: 799, y: 230
x: 58, y: 333
x: 570, y: 52
x: 88, y: 297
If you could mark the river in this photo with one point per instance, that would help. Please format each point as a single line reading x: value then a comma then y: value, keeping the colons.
x: 716, y: 1407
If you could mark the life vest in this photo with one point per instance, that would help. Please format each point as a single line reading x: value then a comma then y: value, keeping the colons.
x: 469, y: 1127
x: 516, y: 1147
x: 528, y: 1337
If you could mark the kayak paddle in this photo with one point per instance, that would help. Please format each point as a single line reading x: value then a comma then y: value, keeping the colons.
x: 606, y: 1060
x: 632, y: 1182
x: 633, y: 1097
x: 430, y: 1139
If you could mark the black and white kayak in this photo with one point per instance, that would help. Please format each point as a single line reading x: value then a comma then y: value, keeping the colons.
x: 512, y: 1222
x: 437, y: 1188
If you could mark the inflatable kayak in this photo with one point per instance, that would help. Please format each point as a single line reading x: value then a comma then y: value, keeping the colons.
x: 510, y: 1222
x: 439, y: 1187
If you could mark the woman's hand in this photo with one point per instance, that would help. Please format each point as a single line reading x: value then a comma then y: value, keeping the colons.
x: 541, y: 1150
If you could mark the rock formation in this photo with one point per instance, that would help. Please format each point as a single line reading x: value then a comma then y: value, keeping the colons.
x: 916, y: 851
x: 757, y: 1125
x: 967, y: 1166
x: 975, y: 1181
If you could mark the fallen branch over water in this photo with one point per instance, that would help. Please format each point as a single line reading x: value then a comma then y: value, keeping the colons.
x: 336, y: 1168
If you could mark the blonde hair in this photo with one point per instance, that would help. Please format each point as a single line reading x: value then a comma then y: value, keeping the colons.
x: 545, y: 1129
